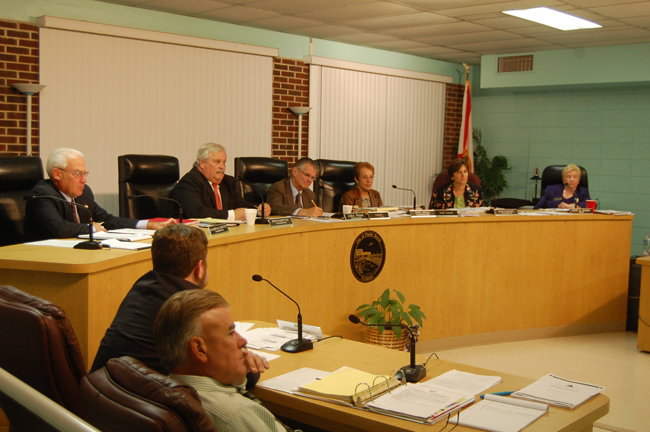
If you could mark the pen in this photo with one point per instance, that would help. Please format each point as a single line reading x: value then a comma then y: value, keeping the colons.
x: 124, y: 239
x: 506, y: 393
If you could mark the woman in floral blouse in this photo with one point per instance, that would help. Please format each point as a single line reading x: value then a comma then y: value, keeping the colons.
x: 458, y: 193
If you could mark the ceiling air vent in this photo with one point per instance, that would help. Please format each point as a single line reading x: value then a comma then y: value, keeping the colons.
x: 522, y: 63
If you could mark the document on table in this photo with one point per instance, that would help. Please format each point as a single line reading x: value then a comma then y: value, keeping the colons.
x: 290, y: 381
x: 105, y: 235
x: 558, y: 391
x: 465, y: 382
x: 271, y: 339
x: 117, y: 244
x: 500, y: 414
x: 418, y: 402
x: 57, y: 243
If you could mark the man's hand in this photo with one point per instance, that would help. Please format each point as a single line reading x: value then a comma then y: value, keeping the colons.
x: 240, y: 214
x: 267, y: 209
x: 158, y: 225
x: 255, y: 363
x: 98, y: 227
x: 311, y: 212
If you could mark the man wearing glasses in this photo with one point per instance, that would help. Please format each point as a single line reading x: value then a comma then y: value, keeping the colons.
x: 53, y: 213
x: 292, y: 196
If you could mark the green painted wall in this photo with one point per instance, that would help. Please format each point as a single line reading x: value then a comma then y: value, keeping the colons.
x: 290, y: 46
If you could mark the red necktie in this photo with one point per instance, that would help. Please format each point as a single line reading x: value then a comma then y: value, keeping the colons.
x: 217, y: 197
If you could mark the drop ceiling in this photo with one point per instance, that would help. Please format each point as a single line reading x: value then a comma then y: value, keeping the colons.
x: 451, y: 30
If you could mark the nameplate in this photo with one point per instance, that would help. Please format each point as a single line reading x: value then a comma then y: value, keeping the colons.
x: 281, y: 221
x: 422, y: 213
x: 506, y: 212
x: 378, y: 215
x: 355, y: 216
x: 218, y: 228
x: 446, y: 212
x: 580, y: 210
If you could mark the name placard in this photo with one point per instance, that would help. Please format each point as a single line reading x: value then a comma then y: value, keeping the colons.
x: 218, y: 228
x: 446, y: 212
x: 281, y: 221
x: 506, y: 212
x: 378, y: 215
x: 580, y: 210
x: 422, y: 213
x: 355, y: 216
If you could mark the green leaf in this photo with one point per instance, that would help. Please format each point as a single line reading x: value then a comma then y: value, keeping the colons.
x: 400, y: 296
x: 370, y: 311
x: 363, y: 306
x: 398, y: 332
x: 406, y: 318
x: 385, y: 298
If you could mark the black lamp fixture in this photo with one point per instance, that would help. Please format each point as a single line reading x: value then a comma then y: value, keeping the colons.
x: 537, y: 178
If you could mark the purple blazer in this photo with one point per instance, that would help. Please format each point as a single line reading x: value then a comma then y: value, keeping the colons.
x: 553, y: 197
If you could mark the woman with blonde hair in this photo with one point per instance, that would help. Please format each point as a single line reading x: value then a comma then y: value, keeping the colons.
x: 567, y: 195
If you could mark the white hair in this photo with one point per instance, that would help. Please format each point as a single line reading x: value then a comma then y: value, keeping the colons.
x: 205, y: 150
x: 59, y: 159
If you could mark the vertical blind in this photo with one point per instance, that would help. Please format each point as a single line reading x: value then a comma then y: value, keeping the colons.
x: 396, y: 124
x: 107, y: 96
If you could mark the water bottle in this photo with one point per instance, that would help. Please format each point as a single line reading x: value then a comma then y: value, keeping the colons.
x: 646, y: 245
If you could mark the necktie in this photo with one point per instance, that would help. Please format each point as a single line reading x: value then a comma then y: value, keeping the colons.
x: 74, y: 212
x: 217, y: 197
x: 299, y: 200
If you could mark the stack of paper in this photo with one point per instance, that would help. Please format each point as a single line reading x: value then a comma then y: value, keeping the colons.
x: 500, y: 414
x: 557, y: 391
x: 271, y: 339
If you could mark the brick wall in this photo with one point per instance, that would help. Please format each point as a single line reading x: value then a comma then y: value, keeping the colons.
x: 18, y: 64
x: 453, y: 118
x: 290, y: 88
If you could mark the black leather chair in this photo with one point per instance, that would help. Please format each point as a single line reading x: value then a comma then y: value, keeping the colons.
x: 334, y: 179
x: 39, y: 347
x: 552, y: 175
x: 258, y: 172
x: 18, y: 175
x: 152, y: 175
x: 125, y: 395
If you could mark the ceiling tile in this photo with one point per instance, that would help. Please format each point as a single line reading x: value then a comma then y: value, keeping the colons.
x: 399, y: 45
x: 283, y: 23
x: 238, y: 14
x: 624, y: 10
x: 459, y: 27
x: 494, y: 35
x: 326, y: 31
x: 362, y: 38
x: 355, y: 12
x: 294, y: 7
x: 598, y: 35
x: 188, y: 8
x: 498, y: 7
x: 400, y: 21
x: 498, y: 45
x: 596, y: 3
x: 643, y: 21
x: 606, y: 43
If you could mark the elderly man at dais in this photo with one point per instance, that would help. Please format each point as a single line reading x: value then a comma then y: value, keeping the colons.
x: 48, y: 216
x: 207, y: 192
x: 196, y: 338
x: 292, y: 196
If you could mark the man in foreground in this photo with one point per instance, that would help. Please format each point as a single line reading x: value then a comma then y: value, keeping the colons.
x: 52, y: 212
x: 292, y: 196
x: 207, y: 192
x: 196, y: 339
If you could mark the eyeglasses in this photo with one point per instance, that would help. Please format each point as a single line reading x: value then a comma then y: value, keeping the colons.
x: 76, y: 174
x: 307, y: 175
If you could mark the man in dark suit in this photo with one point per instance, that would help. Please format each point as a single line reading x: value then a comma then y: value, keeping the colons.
x: 292, y: 196
x: 57, y: 216
x: 206, y: 191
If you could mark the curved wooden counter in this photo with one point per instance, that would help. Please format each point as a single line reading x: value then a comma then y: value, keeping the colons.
x: 477, y: 279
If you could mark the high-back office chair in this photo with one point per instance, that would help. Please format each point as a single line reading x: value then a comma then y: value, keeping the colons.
x: 151, y: 175
x: 39, y: 347
x: 552, y: 175
x: 127, y: 395
x: 334, y: 179
x: 258, y: 172
x: 18, y: 175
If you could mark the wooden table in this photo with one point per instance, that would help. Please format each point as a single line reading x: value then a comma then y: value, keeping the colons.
x: 643, y: 337
x: 332, y: 354
x: 478, y: 279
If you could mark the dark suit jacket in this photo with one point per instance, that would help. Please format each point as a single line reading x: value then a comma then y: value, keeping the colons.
x: 48, y: 219
x: 281, y: 200
x: 196, y: 196
x: 553, y: 197
x: 353, y: 197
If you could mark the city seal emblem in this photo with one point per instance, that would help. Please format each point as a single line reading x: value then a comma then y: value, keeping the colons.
x: 367, y: 256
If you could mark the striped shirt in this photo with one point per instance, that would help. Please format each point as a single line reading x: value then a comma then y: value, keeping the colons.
x: 228, y: 409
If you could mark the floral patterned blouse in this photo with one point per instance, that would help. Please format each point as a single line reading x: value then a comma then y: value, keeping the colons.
x: 443, y: 197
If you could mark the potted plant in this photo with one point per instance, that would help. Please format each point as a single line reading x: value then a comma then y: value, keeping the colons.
x: 390, y: 310
x: 490, y: 171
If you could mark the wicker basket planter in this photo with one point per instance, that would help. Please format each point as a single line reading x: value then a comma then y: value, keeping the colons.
x: 387, y: 339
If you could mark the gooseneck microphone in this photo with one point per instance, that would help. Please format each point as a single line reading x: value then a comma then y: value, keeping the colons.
x: 575, y: 195
x: 295, y: 345
x: 154, y: 197
x: 412, y: 191
x: 263, y: 220
x: 90, y: 243
x: 412, y: 372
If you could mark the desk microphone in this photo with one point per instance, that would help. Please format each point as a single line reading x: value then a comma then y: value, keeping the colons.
x: 574, y: 193
x: 412, y: 372
x: 295, y: 345
x: 90, y: 243
x: 154, y: 198
x: 262, y: 220
x: 412, y: 191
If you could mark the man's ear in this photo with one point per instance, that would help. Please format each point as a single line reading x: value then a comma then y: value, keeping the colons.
x: 198, y: 350
x: 56, y: 174
x: 199, y: 270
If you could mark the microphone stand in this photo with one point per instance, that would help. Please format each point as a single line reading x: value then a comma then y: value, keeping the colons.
x: 295, y: 345
x: 412, y: 372
x: 412, y: 191
x: 262, y: 220
x: 575, y: 195
x: 180, y: 207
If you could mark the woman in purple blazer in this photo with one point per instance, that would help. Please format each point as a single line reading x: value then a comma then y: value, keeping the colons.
x: 567, y: 195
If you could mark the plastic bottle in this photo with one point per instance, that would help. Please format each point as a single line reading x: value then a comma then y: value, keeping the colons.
x: 646, y: 245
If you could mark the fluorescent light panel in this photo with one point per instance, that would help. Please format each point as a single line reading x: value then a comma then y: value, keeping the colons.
x: 553, y: 18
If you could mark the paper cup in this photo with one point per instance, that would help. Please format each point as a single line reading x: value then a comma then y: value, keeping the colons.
x: 251, y: 214
x: 347, y: 209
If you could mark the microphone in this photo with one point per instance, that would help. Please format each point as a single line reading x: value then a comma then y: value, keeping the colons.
x: 575, y: 195
x: 412, y: 191
x: 412, y: 372
x: 90, y: 243
x: 180, y: 207
x: 295, y: 345
x: 262, y: 220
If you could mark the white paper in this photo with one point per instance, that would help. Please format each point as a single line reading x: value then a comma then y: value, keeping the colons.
x: 270, y: 339
x: 116, y: 244
x: 267, y: 356
x: 417, y: 400
x: 558, y: 391
x: 57, y: 243
x: 497, y: 417
x: 242, y: 327
x: 289, y: 382
x: 464, y: 382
